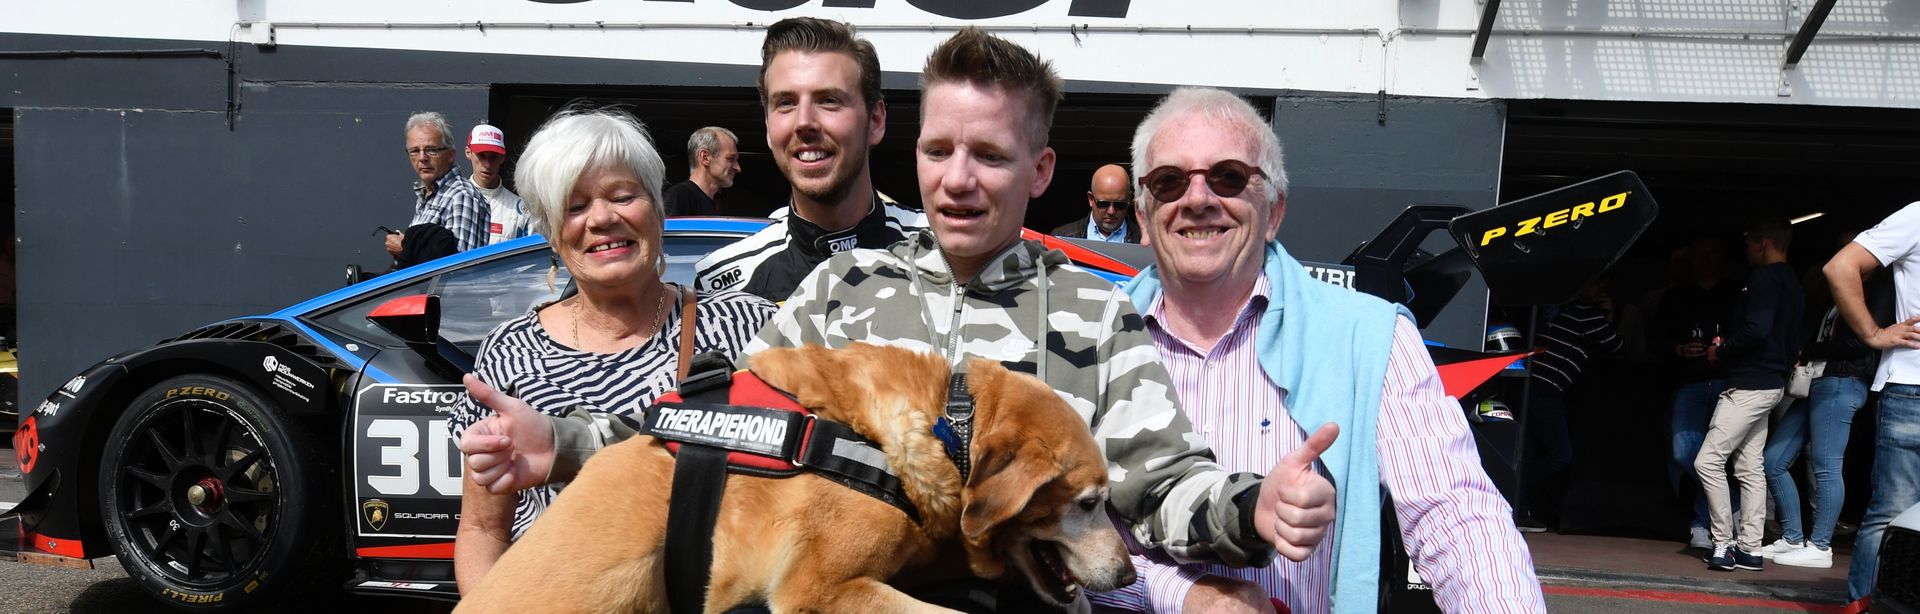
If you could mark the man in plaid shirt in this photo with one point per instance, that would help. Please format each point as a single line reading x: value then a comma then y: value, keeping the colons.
x: 441, y: 196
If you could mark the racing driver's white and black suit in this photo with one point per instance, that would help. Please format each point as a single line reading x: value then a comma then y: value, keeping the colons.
x: 772, y: 262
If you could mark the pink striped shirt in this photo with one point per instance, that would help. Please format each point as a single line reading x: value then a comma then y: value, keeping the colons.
x: 1458, y: 527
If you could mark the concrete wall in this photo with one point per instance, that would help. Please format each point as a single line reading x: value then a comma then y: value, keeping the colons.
x: 142, y: 214
x: 1351, y: 173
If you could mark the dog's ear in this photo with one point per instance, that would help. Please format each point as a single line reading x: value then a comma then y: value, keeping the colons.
x: 1003, y: 481
x: 1010, y: 465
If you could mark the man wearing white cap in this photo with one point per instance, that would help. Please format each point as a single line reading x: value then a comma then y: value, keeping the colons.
x: 487, y: 150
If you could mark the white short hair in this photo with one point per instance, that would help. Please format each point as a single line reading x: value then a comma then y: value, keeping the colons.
x: 439, y: 123
x: 575, y: 142
x: 1220, y: 108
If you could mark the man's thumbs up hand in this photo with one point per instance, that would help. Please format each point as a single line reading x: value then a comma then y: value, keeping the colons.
x: 1296, y: 503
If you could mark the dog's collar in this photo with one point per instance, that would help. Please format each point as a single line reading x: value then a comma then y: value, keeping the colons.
x: 955, y: 427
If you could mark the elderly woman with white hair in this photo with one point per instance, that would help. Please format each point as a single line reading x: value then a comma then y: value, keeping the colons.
x: 592, y: 182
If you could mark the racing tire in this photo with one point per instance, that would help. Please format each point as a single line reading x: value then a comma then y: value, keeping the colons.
x: 217, y: 502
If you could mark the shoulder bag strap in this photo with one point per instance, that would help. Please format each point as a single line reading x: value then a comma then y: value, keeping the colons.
x: 689, y: 321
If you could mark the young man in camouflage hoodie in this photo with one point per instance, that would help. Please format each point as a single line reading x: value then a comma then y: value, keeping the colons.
x: 972, y: 288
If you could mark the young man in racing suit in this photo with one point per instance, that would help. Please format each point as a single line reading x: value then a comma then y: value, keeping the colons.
x: 821, y: 89
x: 977, y: 290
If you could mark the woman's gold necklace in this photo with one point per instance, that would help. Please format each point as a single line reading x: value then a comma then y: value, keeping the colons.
x: 659, y: 310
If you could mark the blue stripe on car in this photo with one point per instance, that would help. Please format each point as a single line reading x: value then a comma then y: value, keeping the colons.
x: 674, y: 225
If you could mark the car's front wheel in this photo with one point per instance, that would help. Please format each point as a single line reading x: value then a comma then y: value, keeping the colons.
x: 214, y: 500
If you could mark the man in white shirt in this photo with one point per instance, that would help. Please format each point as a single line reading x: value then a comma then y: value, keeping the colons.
x: 487, y: 150
x: 1894, y: 244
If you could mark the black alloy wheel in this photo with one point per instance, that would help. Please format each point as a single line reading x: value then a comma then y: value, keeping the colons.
x: 212, y: 498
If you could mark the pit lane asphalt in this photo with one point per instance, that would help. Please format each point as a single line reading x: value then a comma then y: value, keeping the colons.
x: 106, y: 589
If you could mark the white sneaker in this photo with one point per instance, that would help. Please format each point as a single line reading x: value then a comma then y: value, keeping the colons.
x: 1778, y: 547
x: 1700, y: 539
x: 1806, y: 556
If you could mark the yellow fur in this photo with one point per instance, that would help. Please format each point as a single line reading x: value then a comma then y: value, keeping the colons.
x: 805, y: 543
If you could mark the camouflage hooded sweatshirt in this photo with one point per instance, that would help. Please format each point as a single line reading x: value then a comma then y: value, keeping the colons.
x: 1099, y: 358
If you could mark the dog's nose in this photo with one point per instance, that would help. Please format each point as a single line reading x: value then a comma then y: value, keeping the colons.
x: 1112, y: 575
x: 1120, y: 577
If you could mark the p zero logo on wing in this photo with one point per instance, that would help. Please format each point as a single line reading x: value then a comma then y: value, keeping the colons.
x: 1541, y: 249
x: 1563, y: 216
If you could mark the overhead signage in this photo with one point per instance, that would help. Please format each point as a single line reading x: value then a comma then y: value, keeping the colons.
x: 955, y: 9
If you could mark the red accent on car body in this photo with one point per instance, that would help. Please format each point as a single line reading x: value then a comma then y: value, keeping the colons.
x: 1462, y: 377
x: 413, y: 305
x: 1079, y: 255
x: 64, y: 547
x: 436, y: 550
x: 26, y: 444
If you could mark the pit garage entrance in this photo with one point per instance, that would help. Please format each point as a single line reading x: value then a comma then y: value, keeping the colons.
x: 1713, y: 168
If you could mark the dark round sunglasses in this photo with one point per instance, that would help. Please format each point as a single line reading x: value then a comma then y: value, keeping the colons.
x: 1227, y: 178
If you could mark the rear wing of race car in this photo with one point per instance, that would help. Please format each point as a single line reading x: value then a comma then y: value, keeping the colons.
x: 1538, y: 250
x: 1535, y: 251
x: 1541, y: 249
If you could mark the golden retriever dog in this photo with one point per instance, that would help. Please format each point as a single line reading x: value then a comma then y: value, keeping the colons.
x: 1035, y: 502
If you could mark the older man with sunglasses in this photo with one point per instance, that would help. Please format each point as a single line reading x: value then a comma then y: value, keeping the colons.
x: 1257, y: 349
x: 1108, y: 209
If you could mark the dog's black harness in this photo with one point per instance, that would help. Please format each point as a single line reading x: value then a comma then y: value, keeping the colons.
x: 720, y: 422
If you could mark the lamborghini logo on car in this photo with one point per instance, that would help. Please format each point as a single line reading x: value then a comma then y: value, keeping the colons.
x: 375, y: 512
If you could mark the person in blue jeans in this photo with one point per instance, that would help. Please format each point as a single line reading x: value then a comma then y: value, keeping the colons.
x: 1893, y: 244
x: 1687, y: 320
x: 1827, y: 415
